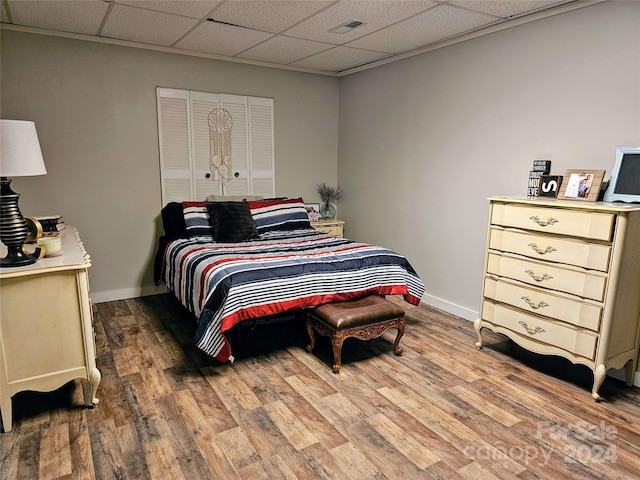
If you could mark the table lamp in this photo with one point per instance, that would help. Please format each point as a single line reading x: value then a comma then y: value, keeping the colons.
x: 20, y: 156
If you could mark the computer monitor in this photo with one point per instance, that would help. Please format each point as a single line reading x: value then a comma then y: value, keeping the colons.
x: 624, y: 184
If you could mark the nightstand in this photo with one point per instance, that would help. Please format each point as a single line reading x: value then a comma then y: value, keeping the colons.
x: 331, y: 226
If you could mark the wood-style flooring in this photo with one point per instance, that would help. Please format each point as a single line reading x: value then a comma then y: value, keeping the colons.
x: 442, y: 410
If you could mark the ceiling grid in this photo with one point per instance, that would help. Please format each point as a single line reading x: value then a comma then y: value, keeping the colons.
x: 293, y: 34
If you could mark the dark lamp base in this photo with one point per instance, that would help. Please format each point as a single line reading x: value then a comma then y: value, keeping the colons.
x: 17, y: 258
x: 13, y: 229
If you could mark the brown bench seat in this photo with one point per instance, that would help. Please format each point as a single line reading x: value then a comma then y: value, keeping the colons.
x: 365, y: 318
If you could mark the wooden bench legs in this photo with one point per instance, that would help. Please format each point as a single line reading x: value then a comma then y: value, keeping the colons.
x: 363, y: 333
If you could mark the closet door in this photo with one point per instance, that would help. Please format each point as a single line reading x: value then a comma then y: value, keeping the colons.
x: 175, y: 145
x: 186, y: 144
x: 236, y: 105
x: 261, y: 150
x: 201, y: 105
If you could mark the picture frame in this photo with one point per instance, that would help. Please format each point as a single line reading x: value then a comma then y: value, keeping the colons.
x: 581, y: 185
x: 549, y: 185
x: 312, y: 208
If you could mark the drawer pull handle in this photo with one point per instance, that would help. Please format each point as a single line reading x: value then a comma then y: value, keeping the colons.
x: 535, y: 247
x: 535, y: 306
x: 542, y: 223
x: 537, y: 278
x: 531, y: 331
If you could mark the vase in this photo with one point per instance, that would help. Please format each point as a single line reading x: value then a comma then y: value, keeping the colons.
x: 327, y: 210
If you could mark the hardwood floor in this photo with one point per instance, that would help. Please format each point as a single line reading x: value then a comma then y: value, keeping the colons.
x: 442, y: 410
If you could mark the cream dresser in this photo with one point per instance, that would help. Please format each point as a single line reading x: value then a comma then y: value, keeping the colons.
x: 46, y: 331
x: 562, y: 277
x: 331, y: 226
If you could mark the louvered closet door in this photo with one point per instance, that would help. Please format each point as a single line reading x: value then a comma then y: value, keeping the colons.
x: 201, y: 105
x: 185, y: 145
x: 261, y: 150
x: 236, y: 105
x: 173, y: 131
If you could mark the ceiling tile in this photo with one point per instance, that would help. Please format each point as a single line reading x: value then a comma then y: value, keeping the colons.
x: 284, y: 50
x: 377, y: 14
x: 210, y: 37
x: 75, y: 17
x: 431, y: 26
x: 272, y: 16
x: 287, y: 32
x: 187, y: 8
x: 145, y: 26
x: 339, y: 58
x: 504, y: 8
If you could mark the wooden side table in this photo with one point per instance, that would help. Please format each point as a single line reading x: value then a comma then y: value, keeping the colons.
x: 46, y: 325
x: 331, y: 226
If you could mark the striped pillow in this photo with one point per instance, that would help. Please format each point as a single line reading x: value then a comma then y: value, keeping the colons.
x: 196, y: 219
x: 272, y: 215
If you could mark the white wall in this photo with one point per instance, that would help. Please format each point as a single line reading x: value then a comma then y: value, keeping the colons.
x: 94, y: 106
x: 424, y: 141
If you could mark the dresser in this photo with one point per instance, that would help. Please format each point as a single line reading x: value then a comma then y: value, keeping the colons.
x: 46, y: 325
x: 331, y: 226
x: 562, y: 277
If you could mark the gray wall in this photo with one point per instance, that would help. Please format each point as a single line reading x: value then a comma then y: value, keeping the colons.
x: 424, y: 141
x: 94, y: 106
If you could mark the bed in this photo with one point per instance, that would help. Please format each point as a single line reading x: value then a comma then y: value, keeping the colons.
x: 227, y: 262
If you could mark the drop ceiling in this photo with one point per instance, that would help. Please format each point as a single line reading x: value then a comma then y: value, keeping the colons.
x: 293, y: 34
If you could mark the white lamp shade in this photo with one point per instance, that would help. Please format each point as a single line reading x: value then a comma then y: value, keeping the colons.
x: 20, y: 154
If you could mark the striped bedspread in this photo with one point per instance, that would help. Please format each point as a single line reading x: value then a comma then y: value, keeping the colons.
x: 225, y: 283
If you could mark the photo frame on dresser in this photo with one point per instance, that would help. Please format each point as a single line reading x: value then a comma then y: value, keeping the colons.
x: 581, y: 185
x: 549, y: 185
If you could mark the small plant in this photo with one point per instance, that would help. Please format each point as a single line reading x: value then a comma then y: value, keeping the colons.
x: 327, y: 193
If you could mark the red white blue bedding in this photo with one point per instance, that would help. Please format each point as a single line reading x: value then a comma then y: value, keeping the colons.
x: 225, y: 283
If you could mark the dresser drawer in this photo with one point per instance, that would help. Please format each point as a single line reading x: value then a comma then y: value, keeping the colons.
x: 593, y: 225
x: 334, y: 230
x: 593, y: 256
x: 548, y: 276
x: 574, y: 340
x: 542, y: 302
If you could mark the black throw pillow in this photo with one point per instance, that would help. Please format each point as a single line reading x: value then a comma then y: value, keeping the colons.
x: 173, y: 220
x: 232, y: 222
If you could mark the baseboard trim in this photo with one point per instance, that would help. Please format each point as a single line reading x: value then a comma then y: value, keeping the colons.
x: 113, y: 295
x: 449, y: 307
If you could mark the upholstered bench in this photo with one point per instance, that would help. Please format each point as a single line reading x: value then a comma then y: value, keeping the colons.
x: 365, y: 318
